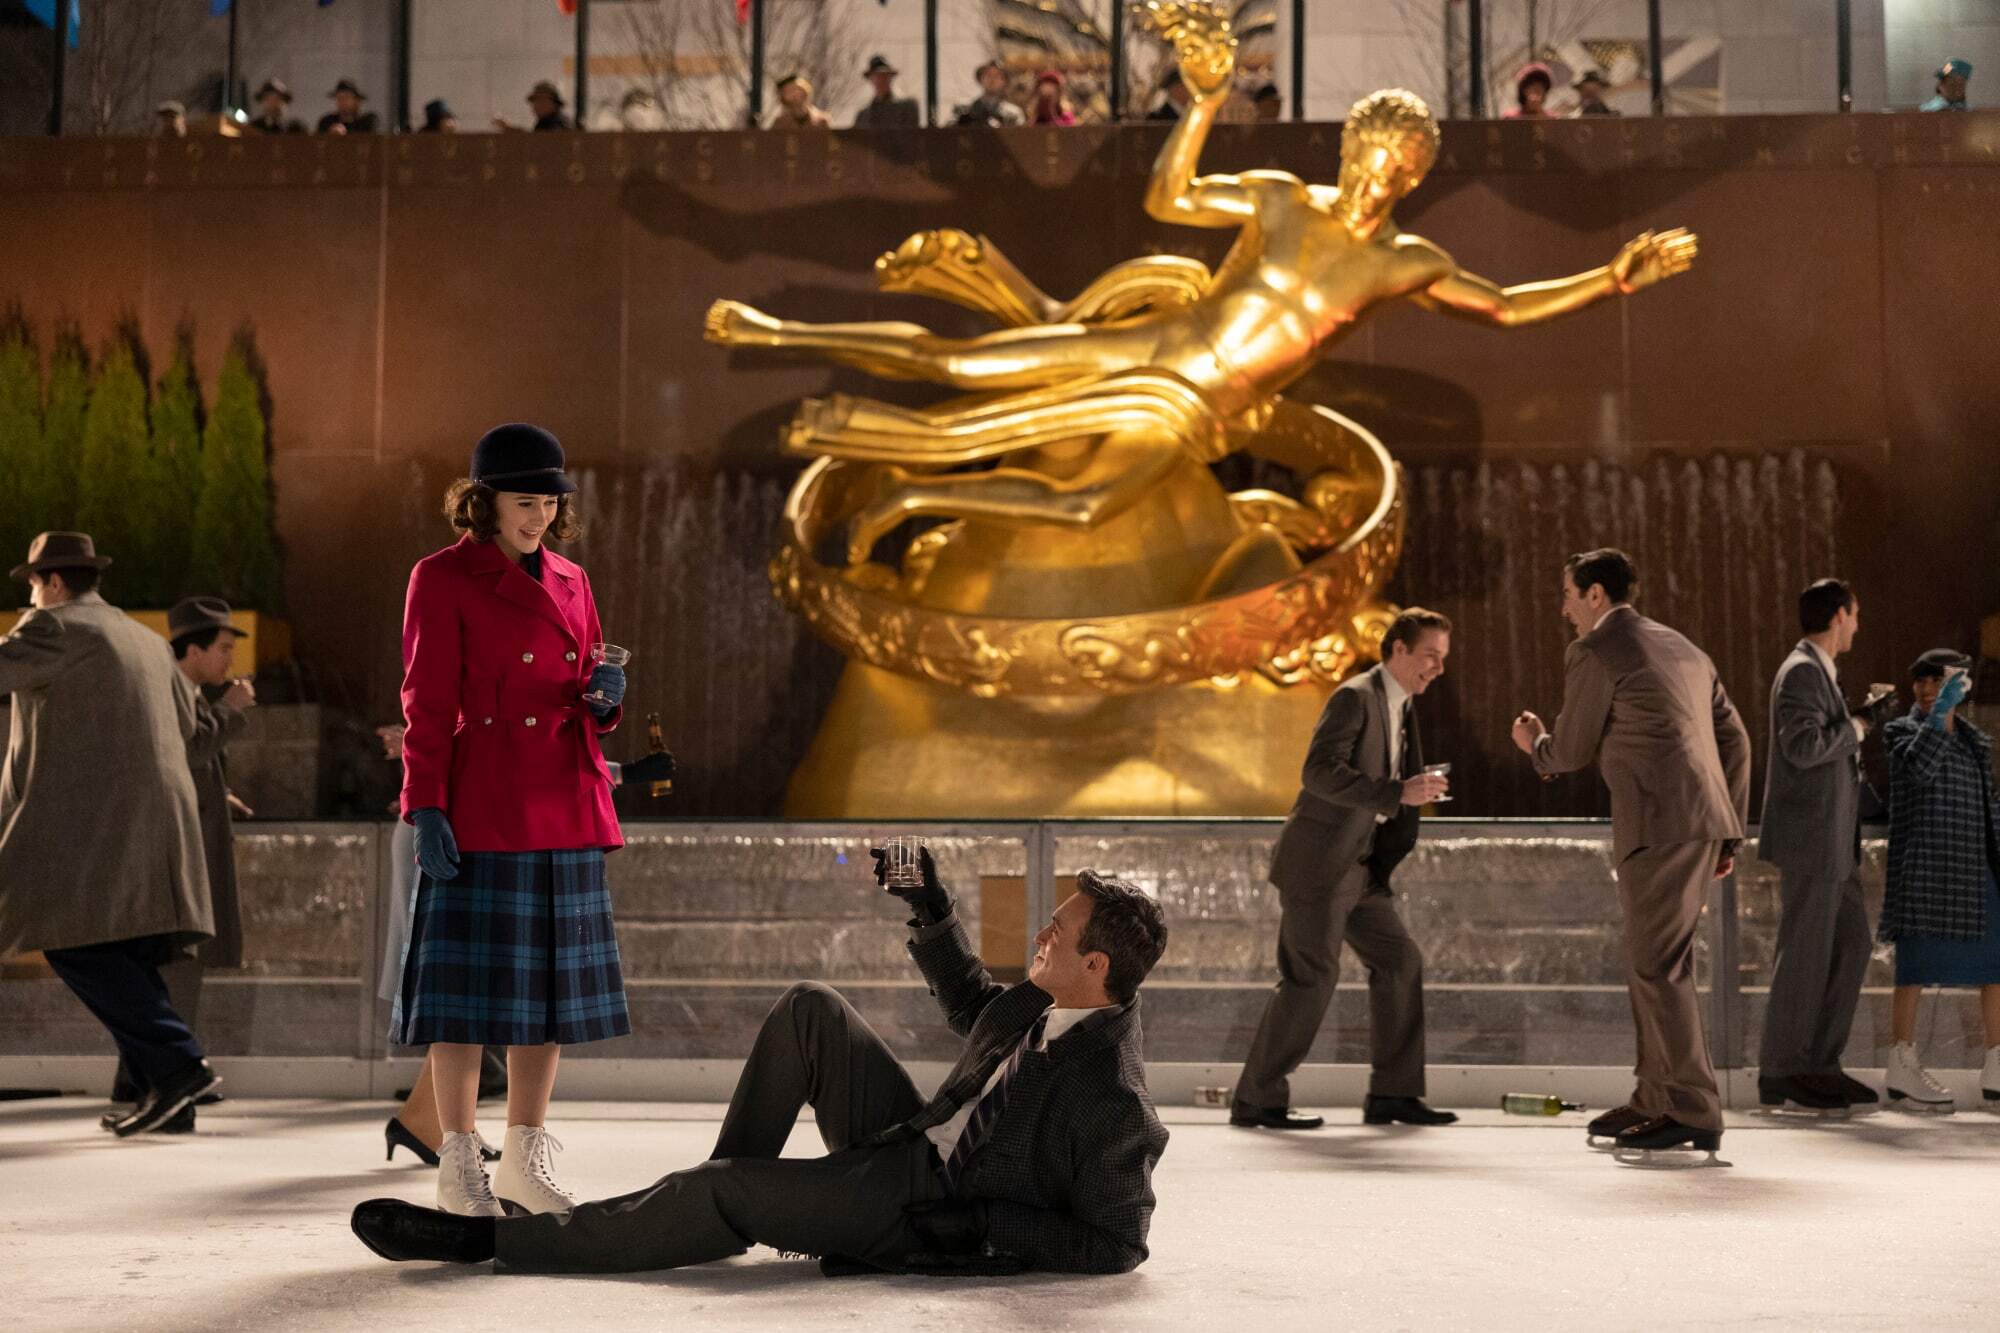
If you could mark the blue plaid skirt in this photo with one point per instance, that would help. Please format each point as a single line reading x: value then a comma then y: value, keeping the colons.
x: 518, y: 950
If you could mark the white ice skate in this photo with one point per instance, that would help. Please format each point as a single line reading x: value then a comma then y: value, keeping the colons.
x: 527, y: 1181
x: 1989, y: 1079
x: 1911, y: 1087
x: 462, y: 1184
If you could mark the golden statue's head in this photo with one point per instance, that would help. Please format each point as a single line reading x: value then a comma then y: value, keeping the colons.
x: 1389, y: 142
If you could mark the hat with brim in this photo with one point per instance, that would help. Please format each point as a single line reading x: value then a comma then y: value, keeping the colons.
x: 1936, y: 662
x: 348, y: 86
x: 548, y: 90
x: 59, y: 550
x: 521, y: 458
x: 879, y: 65
x: 270, y: 86
x: 171, y: 109
x: 1962, y: 68
x: 193, y: 615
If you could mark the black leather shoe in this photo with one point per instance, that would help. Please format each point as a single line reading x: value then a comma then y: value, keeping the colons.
x: 400, y: 1231
x: 124, y: 1089
x: 166, y: 1101
x: 1810, y: 1094
x: 1663, y: 1131
x: 1615, y: 1122
x: 1277, y: 1117
x: 1852, y: 1090
x: 1407, y: 1110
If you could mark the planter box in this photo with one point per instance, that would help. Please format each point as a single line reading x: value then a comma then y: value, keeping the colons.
x: 266, y: 639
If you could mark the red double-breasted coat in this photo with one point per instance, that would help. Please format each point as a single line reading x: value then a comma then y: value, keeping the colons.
x: 498, y: 736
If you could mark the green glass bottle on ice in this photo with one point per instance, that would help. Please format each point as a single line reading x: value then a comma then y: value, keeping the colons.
x: 1536, y: 1103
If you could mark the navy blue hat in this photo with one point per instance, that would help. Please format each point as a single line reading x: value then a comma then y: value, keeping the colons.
x: 523, y: 458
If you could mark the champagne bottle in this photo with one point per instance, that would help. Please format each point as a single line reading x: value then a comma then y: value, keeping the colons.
x: 656, y: 743
x: 1536, y: 1103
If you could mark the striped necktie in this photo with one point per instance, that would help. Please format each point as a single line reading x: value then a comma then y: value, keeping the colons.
x: 987, y: 1112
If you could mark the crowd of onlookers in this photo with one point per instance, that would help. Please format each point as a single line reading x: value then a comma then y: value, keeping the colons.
x: 1048, y: 100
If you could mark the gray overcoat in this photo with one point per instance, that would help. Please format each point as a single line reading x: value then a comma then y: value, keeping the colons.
x: 1811, y: 828
x: 216, y: 724
x: 99, y: 839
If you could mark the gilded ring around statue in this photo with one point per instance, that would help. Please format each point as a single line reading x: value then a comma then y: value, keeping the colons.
x: 1308, y: 625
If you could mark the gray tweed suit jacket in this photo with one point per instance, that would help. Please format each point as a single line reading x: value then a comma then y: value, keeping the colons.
x: 1811, y: 828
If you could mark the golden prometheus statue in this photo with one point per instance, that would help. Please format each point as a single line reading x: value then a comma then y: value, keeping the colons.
x: 1097, y: 628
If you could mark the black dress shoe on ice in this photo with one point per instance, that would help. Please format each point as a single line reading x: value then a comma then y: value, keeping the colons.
x: 1276, y: 1117
x: 1615, y: 1122
x: 1407, y: 1110
x: 1663, y: 1131
x: 401, y: 1231
x: 1809, y: 1094
x: 166, y: 1101
x: 1852, y: 1090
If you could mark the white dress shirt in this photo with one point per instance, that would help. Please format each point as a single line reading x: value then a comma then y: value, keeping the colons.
x: 1833, y: 674
x: 1396, y: 697
x: 1057, y: 1022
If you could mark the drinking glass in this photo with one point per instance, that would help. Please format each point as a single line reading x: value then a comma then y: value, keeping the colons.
x: 903, y: 866
x: 1438, y: 771
x: 606, y: 654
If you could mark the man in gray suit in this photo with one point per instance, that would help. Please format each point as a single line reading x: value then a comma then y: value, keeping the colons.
x: 1647, y: 706
x: 1812, y: 833
x: 100, y: 846
x: 1355, y: 819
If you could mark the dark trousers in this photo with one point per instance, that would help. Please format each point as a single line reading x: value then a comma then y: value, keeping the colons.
x: 1662, y: 889
x: 120, y: 984
x: 183, y: 978
x: 814, y: 1050
x: 1823, y: 948
x: 1314, y: 923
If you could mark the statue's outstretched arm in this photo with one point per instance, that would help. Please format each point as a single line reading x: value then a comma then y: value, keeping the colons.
x: 1205, y: 48
x: 1644, y: 261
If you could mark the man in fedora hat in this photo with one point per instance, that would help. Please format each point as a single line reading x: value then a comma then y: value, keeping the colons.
x: 347, y: 117
x: 546, y: 101
x: 887, y: 111
x: 204, y: 643
x: 100, y: 843
x: 274, y: 107
x: 438, y: 118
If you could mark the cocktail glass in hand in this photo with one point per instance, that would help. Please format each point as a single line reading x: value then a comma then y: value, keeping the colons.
x: 903, y: 864
x: 1438, y: 771
x: 606, y: 654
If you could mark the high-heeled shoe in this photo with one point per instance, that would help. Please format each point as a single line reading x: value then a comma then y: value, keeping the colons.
x: 396, y: 1135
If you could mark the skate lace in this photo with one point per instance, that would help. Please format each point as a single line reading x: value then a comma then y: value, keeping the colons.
x: 1931, y: 1085
x: 472, y: 1178
x: 541, y: 1165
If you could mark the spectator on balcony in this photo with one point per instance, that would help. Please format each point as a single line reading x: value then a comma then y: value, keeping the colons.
x: 170, y: 121
x: 886, y: 111
x: 546, y: 101
x: 100, y: 843
x: 795, y: 106
x: 1590, y: 88
x: 1951, y: 80
x: 274, y: 110
x: 1051, y: 107
x: 1175, y: 103
x: 1942, y: 904
x: 347, y: 117
x: 438, y: 118
x: 639, y: 112
x: 1531, y: 93
x: 992, y: 106
x: 1267, y: 103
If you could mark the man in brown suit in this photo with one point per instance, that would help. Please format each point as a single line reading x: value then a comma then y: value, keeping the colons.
x: 100, y: 846
x: 1646, y: 705
x: 1354, y: 821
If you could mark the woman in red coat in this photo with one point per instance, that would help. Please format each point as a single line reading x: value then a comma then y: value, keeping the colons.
x: 511, y: 941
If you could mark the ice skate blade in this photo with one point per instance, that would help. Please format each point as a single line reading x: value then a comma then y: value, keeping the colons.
x: 1911, y: 1106
x: 1793, y: 1111
x: 1601, y: 1142
x: 1668, y: 1159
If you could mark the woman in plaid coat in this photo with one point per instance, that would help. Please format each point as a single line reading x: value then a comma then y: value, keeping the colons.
x: 510, y: 941
x: 1942, y: 909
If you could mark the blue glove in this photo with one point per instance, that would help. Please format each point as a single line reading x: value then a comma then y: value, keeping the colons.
x: 1951, y: 696
x: 437, y: 849
x: 608, y: 681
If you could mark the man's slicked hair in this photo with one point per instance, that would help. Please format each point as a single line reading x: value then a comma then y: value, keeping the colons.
x: 1126, y: 926
x: 1409, y: 627
x: 1821, y: 602
x: 1608, y: 567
